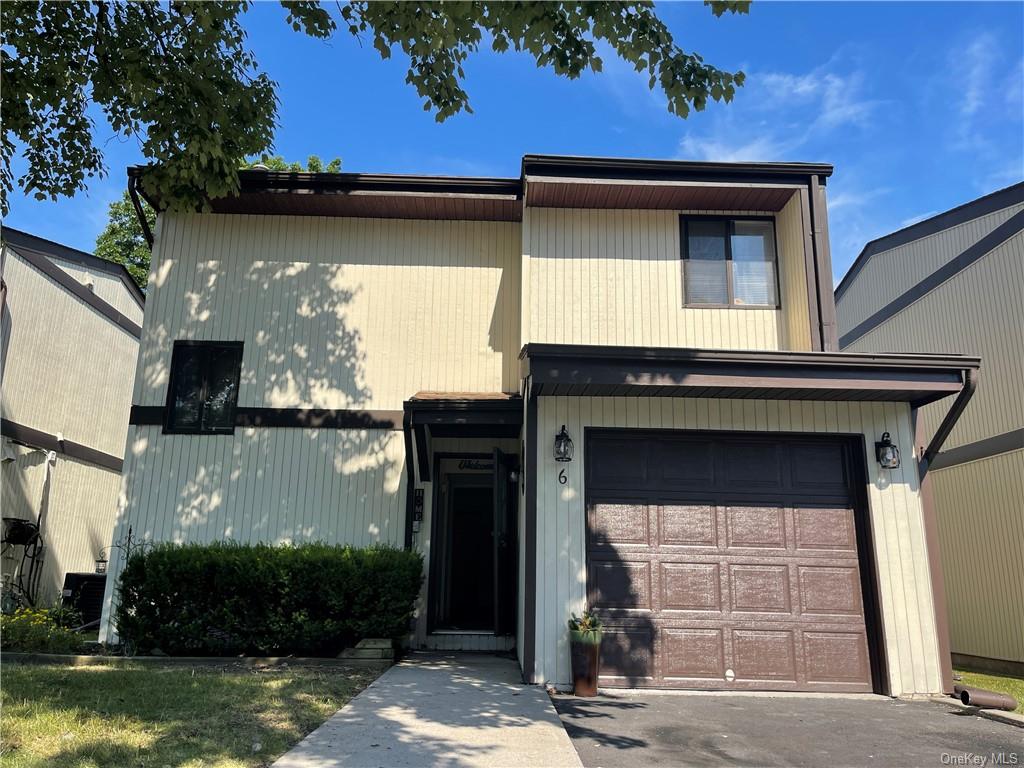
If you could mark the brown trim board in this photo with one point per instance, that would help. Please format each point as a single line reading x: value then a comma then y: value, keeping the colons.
x: 42, y: 263
x: 938, y: 583
x: 981, y: 449
x: 294, y: 418
x: 530, y: 534
x: 985, y: 245
x: 983, y: 206
x: 587, y: 370
x: 35, y: 438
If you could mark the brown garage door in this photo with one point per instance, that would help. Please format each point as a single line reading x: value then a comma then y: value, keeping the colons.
x: 726, y: 562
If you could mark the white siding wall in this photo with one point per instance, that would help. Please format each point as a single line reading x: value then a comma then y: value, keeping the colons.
x: 75, y: 505
x: 67, y: 370
x: 908, y: 616
x: 106, y: 286
x: 66, y: 367
x: 614, y: 277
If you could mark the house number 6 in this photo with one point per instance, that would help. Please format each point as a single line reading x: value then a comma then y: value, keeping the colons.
x: 562, y: 479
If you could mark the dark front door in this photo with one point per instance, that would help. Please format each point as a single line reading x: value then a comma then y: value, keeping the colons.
x: 728, y: 562
x: 471, y: 603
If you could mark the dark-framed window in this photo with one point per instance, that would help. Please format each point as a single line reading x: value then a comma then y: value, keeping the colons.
x: 729, y: 262
x: 202, y: 394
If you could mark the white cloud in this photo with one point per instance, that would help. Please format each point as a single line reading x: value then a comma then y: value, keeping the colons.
x: 777, y: 114
x: 976, y: 62
x: 759, y: 148
x: 914, y: 219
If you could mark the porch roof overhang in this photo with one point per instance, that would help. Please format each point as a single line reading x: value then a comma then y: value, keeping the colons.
x: 557, y: 369
x: 456, y: 414
x: 556, y: 181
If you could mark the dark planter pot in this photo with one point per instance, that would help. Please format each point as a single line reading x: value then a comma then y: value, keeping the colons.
x: 585, y: 651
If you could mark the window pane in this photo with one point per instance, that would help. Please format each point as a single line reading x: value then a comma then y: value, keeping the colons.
x: 706, y: 239
x: 753, y: 241
x: 706, y: 282
x: 222, y: 388
x: 753, y: 282
x: 704, y: 270
x: 187, y: 384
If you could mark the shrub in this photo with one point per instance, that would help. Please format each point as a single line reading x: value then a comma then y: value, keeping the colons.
x: 37, y: 630
x: 226, y: 598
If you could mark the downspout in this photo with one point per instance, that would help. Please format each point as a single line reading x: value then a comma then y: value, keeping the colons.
x: 410, y: 474
x: 930, y: 519
x: 949, y: 421
x: 133, y: 193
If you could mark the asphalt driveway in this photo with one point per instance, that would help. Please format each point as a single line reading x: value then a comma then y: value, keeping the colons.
x: 711, y: 730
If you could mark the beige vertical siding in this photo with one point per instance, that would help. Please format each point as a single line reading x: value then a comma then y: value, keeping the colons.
x: 789, y: 228
x: 263, y: 485
x: 980, y: 312
x: 106, y: 286
x: 66, y: 367
x: 891, y: 273
x: 338, y: 313
x: 614, y: 277
x: 908, y: 616
x: 980, y: 507
x: 333, y: 313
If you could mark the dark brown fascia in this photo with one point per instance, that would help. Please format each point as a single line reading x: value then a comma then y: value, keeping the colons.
x: 917, y: 379
x: 996, y: 201
x: 256, y: 180
x: 781, y: 357
x: 34, y: 438
x: 20, y: 239
x: 571, y: 166
x: 285, y: 418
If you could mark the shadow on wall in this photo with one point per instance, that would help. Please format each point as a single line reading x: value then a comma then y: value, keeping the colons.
x: 620, y: 592
x: 272, y: 485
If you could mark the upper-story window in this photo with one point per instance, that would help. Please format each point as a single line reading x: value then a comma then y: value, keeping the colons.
x: 729, y: 262
x: 203, y: 391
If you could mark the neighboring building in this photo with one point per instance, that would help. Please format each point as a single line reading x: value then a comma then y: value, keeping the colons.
x: 361, y: 358
x: 955, y: 282
x: 70, y: 328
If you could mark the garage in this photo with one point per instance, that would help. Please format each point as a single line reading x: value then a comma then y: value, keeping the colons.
x: 730, y: 560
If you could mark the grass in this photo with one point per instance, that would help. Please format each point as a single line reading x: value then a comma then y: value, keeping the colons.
x: 1001, y: 683
x: 138, y: 716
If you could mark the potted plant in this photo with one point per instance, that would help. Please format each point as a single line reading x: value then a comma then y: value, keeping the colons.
x: 585, y: 650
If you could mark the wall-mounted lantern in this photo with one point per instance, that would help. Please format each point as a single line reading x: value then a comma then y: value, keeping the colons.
x: 888, y: 455
x: 563, y: 446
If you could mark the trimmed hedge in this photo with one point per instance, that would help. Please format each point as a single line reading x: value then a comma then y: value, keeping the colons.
x: 227, y: 599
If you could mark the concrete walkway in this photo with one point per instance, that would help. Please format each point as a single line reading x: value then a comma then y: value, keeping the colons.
x: 441, y: 709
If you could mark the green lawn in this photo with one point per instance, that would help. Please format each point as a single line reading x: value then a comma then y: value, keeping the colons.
x: 1001, y: 683
x: 136, y: 716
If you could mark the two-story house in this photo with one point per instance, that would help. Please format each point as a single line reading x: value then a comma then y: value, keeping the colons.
x: 606, y: 383
x: 955, y: 281
x: 70, y: 339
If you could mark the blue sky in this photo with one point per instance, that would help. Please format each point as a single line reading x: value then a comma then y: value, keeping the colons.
x: 918, y: 106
